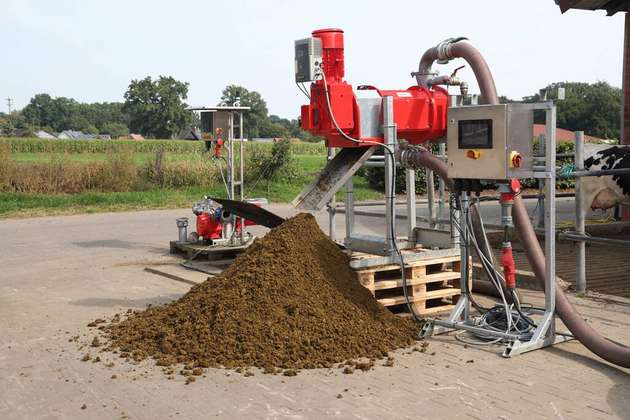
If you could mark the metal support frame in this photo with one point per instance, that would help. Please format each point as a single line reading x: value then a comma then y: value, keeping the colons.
x: 580, y: 235
x: 441, y: 188
x: 544, y: 335
x: 410, y: 179
x: 389, y: 134
x: 541, y: 187
x: 235, y: 169
x: 241, y: 180
x: 349, y: 213
x: 431, y: 197
x: 580, y: 215
x: 332, y: 205
x: 384, y: 247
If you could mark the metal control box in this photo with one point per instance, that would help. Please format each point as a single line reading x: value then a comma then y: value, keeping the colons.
x: 308, y: 59
x: 490, y: 141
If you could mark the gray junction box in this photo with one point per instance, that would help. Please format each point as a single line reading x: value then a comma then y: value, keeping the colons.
x: 308, y: 59
x: 492, y: 142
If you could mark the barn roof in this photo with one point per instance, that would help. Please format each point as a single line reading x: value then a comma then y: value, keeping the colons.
x: 562, y: 134
x: 611, y: 6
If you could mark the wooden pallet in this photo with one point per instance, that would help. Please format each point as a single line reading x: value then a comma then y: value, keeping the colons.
x: 432, y: 285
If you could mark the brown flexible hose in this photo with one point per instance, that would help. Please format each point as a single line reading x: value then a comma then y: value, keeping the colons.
x: 591, y: 339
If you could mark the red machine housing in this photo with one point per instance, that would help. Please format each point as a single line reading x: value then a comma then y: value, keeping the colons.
x: 420, y: 114
x: 210, y: 224
x: 208, y: 227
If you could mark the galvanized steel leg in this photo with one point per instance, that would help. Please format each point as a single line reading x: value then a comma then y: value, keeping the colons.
x: 410, y: 177
x: 389, y: 130
x: 580, y: 215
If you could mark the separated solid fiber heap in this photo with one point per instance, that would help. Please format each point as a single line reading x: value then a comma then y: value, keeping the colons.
x: 290, y: 301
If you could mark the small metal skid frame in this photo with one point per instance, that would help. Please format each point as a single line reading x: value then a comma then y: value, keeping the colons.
x: 545, y: 333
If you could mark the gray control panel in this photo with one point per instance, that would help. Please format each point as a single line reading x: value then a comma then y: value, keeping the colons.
x: 308, y: 59
x: 490, y: 141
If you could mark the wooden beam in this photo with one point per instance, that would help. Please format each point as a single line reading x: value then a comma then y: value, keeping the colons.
x: 625, y: 119
x: 625, y: 126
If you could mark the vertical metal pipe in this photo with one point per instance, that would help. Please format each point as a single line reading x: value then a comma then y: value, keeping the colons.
x: 230, y: 172
x: 332, y: 231
x: 242, y: 153
x: 242, y: 168
x: 182, y: 230
x: 455, y: 215
x: 431, y: 196
x: 410, y: 178
x: 580, y: 215
x: 463, y: 246
x: 541, y: 187
x: 349, y: 212
x: 389, y: 130
x: 550, y: 215
x: 441, y: 187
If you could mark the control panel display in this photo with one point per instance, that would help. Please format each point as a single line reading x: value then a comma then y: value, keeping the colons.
x: 475, y: 134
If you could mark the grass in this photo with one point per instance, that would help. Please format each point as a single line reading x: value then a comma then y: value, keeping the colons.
x: 140, y: 158
x: 33, y: 145
x: 309, y: 163
x: 31, y: 205
x: 27, y: 204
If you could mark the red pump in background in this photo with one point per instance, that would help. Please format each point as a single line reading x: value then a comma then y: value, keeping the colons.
x: 420, y: 114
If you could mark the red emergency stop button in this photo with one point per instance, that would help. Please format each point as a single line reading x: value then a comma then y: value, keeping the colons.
x: 516, y: 159
x: 473, y: 154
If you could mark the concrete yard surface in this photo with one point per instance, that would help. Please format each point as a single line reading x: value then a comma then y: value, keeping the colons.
x: 57, y: 274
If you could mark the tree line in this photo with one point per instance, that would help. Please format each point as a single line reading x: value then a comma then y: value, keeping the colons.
x: 156, y: 108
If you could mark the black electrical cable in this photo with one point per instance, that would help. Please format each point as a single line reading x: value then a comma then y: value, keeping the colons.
x: 468, y: 292
x: 517, y: 305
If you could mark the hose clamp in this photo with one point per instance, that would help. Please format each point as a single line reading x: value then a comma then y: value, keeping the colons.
x: 444, y: 49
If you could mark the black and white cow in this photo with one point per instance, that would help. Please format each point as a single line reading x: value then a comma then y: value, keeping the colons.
x: 604, y: 192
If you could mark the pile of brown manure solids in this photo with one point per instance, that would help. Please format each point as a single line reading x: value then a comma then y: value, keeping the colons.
x: 290, y: 301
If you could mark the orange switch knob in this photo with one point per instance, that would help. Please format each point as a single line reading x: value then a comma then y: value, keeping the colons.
x: 516, y: 160
x: 473, y: 154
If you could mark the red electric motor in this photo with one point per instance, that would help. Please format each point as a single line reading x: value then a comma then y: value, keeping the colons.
x: 419, y: 113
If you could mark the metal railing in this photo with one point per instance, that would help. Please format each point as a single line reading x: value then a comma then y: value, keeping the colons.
x: 580, y: 235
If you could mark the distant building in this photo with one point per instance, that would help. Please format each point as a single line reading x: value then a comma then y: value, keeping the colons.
x: 131, y: 137
x: 563, y: 135
x: 41, y: 134
x: 75, y: 135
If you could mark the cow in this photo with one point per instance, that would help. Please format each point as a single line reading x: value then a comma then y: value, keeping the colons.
x: 604, y: 192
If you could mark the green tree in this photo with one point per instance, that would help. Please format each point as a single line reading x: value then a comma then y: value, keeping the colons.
x: 61, y: 113
x: 254, y: 119
x: 294, y: 129
x: 114, y: 129
x: 156, y: 108
x: 43, y: 110
x: 270, y: 129
x: 593, y: 108
x: 8, y: 123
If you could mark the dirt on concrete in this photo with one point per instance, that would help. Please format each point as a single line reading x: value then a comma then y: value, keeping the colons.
x: 291, y: 301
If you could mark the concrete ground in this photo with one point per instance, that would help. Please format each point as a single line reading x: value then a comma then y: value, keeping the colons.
x: 59, y: 273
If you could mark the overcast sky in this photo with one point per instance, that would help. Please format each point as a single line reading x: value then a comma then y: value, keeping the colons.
x: 90, y: 50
